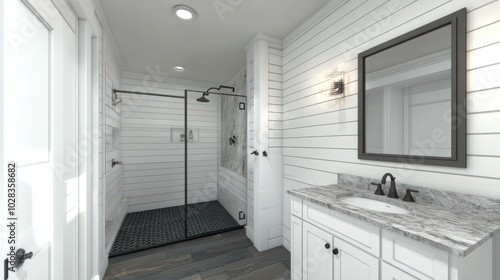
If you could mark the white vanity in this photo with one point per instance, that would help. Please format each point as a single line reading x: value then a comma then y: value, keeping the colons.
x: 333, y: 240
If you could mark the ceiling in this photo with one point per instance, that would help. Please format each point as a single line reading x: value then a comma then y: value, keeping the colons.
x: 211, y: 47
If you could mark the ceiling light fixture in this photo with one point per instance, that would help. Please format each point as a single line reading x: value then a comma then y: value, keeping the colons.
x: 184, y: 12
x: 178, y: 68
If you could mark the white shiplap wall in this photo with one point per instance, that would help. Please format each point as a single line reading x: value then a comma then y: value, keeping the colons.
x: 275, y: 133
x: 154, y: 165
x: 115, y: 207
x: 320, y: 131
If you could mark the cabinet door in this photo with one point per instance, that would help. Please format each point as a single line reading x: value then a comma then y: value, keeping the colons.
x: 351, y: 263
x: 317, y: 253
x: 296, y: 248
x: 391, y: 273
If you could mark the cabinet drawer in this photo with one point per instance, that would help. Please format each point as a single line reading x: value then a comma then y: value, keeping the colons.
x: 354, y: 231
x: 296, y: 205
x: 417, y: 259
x: 389, y: 272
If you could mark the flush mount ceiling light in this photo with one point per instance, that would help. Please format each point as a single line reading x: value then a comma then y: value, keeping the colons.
x: 184, y: 12
x: 178, y: 68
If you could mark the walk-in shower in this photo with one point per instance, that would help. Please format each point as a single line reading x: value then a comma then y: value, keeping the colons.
x: 182, y: 176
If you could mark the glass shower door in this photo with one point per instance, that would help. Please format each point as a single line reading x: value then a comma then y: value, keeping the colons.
x: 216, y: 185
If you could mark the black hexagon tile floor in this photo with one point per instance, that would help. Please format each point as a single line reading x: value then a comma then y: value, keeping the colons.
x: 147, y: 229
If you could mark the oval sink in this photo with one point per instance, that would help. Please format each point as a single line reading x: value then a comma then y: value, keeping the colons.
x: 374, y: 205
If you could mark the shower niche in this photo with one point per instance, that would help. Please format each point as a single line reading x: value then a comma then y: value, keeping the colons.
x: 178, y: 135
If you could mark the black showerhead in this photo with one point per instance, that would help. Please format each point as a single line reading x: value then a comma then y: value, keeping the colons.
x: 203, y: 99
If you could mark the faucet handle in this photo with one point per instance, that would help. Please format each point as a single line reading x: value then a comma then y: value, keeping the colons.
x: 408, y: 196
x: 379, y: 190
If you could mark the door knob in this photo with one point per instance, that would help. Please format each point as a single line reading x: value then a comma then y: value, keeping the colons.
x: 335, y: 251
x: 327, y: 245
x: 255, y: 153
x: 22, y: 256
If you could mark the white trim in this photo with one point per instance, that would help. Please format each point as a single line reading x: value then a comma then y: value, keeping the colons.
x: 120, y: 216
x: 496, y: 256
x: 102, y: 268
x: 317, y: 17
x: 67, y: 13
x: 273, y: 42
x: 261, y: 91
x: 249, y: 233
x: 432, y: 63
x: 166, y: 81
x: 101, y: 16
x: 96, y: 228
x: 85, y: 149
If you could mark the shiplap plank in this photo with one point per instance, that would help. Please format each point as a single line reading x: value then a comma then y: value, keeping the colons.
x: 153, y: 165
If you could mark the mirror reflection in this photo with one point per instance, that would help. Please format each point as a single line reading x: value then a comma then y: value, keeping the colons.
x: 408, y: 97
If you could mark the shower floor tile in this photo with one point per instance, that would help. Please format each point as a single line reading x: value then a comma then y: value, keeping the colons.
x: 147, y: 229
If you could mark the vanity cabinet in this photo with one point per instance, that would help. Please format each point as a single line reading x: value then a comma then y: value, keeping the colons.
x: 327, y: 245
x: 329, y: 257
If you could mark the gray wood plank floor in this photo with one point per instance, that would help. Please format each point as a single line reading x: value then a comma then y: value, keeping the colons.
x: 229, y: 255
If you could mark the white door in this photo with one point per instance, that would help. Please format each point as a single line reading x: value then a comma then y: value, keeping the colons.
x: 39, y: 135
x: 317, y: 253
x: 351, y: 263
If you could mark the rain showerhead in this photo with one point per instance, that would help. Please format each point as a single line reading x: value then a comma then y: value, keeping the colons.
x: 203, y: 99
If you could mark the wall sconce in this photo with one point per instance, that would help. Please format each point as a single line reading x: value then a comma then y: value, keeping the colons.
x: 337, y: 82
x: 115, y: 99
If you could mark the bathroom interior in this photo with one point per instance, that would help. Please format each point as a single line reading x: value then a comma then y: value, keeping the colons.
x: 322, y: 139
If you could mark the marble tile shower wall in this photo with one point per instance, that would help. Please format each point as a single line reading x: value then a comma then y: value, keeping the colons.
x: 232, y: 169
x: 320, y: 130
x: 234, y: 126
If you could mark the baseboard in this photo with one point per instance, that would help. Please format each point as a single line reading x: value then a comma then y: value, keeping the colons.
x: 496, y: 256
x: 102, y: 270
x: 286, y: 244
x: 249, y: 233
x: 120, y: 216
x: 275, y: 242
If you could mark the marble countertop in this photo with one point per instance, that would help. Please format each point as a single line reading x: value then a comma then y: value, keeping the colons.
x: 452, y: 230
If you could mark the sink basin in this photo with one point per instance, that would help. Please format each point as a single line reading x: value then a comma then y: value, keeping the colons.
x: 374, y: 205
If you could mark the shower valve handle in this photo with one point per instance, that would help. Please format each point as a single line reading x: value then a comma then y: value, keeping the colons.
x: 255, y: 153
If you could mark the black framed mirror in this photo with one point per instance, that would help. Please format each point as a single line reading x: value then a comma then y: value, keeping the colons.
x: 412, y: 96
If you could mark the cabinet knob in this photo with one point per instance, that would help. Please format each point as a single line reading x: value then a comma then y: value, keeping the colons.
x: 335, y: 251
x: 327, y: 245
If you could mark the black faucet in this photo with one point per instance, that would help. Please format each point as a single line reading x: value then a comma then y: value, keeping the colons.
x: 392, y: 190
